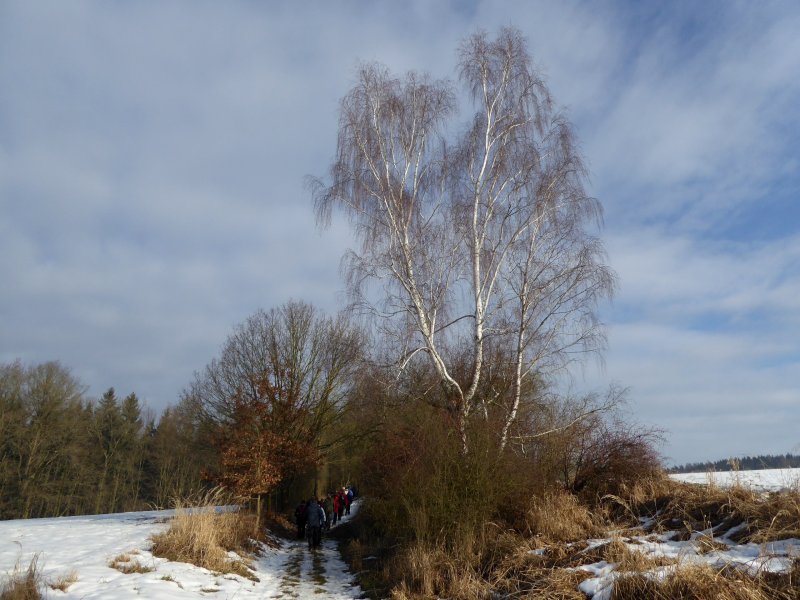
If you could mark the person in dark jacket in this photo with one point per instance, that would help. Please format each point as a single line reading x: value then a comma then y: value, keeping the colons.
x: 315, y: 519
x: 341, y: 504
x: 327, y: 505
x: 348, y: 498
x: 300, y: 519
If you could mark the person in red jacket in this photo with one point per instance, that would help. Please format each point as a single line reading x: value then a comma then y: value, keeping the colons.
x: 336, y: 513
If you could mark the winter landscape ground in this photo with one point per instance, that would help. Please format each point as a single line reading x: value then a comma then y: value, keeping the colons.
x: 80, y: 550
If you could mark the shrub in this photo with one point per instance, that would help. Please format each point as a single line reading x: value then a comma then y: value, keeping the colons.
x: 606, y: 454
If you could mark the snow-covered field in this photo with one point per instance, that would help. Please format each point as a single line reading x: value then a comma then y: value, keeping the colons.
x: 84, y: 547
x: 767, y: 480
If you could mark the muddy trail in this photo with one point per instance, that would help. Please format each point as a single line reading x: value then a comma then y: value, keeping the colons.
x: 319, y: 573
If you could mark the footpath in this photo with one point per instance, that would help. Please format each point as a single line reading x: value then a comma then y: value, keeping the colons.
x: 305, y: 574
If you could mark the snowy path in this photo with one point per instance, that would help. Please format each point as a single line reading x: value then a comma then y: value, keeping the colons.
x: 319, y: 573
x: 84, y: 547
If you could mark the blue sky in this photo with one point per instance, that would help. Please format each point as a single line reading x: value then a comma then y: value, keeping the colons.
x: 152, y: 157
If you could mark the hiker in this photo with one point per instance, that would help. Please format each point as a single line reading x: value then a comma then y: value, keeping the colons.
x: 300, y: 519
x: 335, y: 507
x: 315, y: 517
x: 349, y: 499
x: 327, y: 506
x: 340, y: 510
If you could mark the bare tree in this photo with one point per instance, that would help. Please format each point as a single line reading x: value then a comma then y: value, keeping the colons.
x: 484, y: 236
x: 283, y: 375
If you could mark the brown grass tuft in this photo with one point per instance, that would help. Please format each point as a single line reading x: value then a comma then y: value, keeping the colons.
x: 23, y: 585
x: 202, y: 536
x: 560, y: 517
x: 63, y: 582
x: 124, y: 563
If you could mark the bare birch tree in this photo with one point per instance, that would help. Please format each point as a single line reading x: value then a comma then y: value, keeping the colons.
x: 473, y: 239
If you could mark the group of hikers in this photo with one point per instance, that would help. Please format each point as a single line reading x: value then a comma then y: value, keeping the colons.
x: 318, y: 515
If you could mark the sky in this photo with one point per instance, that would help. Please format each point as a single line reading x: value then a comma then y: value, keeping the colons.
x: 153, y: 156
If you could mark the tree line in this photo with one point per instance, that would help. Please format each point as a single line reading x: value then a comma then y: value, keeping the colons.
x: 745, y: 463
x: 63, y: 453
x: 259, y: 421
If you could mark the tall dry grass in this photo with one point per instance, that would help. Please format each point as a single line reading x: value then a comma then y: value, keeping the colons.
x: 757, y: 517
x: 558, y: 516
x: 702, y: 582
x: 23, y: 584
x: 202, y: 535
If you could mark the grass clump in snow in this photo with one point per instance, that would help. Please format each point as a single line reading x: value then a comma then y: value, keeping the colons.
x: 201, y: 535
x: 22, y: 585
x: 63, y: 582
x: 124, y: 563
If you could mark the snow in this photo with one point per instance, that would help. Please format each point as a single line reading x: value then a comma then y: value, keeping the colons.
x: 766, y: 480
x: 84, y: 546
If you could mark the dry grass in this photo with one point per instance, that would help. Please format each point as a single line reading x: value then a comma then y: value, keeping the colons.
x: 63, y: 582
x: 689, y: 508
x: 774, y: 517
x: 202, y: 536
x: 124, y: 563
x: 277, y: 526
x: 431, y: 572
x: 560, y: 517
x: 701, y: 582
x: 540, y: 573
x: 705, y: 544
x: 545, y: 562
x: 22, y: 585
x: 629, y: 560
x: 554, y: 573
